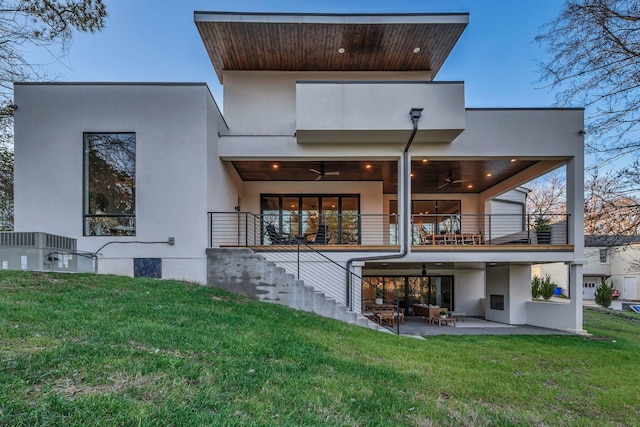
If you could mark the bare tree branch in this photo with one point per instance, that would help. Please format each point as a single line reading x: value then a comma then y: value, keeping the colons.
x: 595, y: 61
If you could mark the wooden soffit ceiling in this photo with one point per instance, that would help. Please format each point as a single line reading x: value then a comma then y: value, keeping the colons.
x: 311, y: 42
x: 427, y: 177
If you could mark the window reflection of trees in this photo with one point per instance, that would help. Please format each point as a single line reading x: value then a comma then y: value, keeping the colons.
x: 303, y: 215
x: 110, y: 183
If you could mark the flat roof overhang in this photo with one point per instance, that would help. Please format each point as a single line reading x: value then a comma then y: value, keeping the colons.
x: 311, y: 42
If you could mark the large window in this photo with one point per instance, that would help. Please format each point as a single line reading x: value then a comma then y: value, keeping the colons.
x: 431, y: 217
x: 109, y: 205
x: 301, y: 215
x: 409, y: 290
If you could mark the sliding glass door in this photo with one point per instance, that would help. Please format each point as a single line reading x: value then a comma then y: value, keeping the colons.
x: 409, y: 290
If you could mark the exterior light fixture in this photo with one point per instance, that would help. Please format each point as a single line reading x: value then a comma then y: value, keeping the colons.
x: 513, y: 160
x: 489, y: 175
x: 470, y: 186
x: 424, y: 160
x: 412, y: 175
x: 275, y: 166
x: 341, y: 50
x: 368, y: 166
x: 416, y: 50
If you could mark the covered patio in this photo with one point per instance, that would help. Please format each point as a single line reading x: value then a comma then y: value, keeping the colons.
x: 418, y: 327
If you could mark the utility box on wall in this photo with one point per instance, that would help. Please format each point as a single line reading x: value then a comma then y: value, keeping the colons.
x: 37, y: 251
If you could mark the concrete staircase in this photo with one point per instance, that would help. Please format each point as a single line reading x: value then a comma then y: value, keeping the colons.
x: 245, y: 272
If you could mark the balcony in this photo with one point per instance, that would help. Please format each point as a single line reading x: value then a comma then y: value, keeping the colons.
x: 375, y: 112
x: 382, y: 231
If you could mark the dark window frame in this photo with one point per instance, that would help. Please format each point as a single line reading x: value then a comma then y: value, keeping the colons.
x: 320, y: 196
x: 85, y: 181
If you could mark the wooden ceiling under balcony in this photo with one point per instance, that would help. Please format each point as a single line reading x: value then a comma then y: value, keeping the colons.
x: 285, y: 42
x: 430, y: 177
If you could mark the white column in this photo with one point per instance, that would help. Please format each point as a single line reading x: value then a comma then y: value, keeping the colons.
x: 356, y: 286
x: 575, y: 293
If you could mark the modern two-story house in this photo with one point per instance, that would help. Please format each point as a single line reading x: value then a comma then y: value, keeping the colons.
x: 339, y: 157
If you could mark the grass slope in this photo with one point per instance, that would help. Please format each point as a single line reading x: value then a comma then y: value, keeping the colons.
x: 107, y: 350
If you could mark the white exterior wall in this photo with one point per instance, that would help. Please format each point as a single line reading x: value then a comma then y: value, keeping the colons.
x: 469, y: 291
x: 514, y: 283
x: 170, y: 123
x: 264, y: 102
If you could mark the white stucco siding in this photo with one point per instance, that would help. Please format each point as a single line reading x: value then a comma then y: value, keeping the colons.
x: 264, y: 103
x: 513, y: 282
x: 224, y: 185
x: 171, y: 166
x: 469, y: 291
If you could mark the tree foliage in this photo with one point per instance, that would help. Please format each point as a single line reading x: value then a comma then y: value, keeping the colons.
x: 6, y: 187
x: 594, y: 48
x: 548, y: 195
x: 609, y: 208
x: 44, y: 24
x: 25, y: 24
x: 604, y: 293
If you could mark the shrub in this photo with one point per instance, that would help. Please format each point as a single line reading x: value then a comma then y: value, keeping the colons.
x: 544, y: 288
x: 535, y: 287
x: 604, y: 293
x: 547, y: 288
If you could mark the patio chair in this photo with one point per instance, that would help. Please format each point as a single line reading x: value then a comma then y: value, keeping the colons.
x: 322, y: 236
x: 279, y: 238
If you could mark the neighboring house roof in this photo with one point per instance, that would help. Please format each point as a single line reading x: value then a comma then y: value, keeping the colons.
x: 329, y: 42
x: 610, y: 240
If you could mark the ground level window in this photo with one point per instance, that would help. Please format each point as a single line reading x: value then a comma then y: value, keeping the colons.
x: 409, y: 290
x: 109, y: 205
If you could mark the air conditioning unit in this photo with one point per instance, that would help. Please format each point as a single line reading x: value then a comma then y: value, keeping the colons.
x: 38, y: 251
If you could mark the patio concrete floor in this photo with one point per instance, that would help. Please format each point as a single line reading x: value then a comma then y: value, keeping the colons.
x: 417, y: 327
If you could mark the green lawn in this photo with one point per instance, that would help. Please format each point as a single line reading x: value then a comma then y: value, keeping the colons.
x: 107, y: 350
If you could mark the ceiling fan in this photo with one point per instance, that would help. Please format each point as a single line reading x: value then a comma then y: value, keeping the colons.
x: 449, y: 180
x: 322, y: 172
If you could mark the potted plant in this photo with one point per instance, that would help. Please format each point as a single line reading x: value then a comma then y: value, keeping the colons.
x: 543, y: 230
x: 443, y: 314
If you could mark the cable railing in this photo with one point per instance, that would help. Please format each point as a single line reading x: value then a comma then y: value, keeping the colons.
x: 491, y: 229
x: 328, y: 276
x: 271, y: 229
x: 297, y: 257
x: 268, y: 229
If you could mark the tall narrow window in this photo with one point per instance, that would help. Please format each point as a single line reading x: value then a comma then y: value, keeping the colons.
x: 109, y: 184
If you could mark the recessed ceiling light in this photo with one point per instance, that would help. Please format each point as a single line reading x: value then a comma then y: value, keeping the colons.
x: 341, y: 50
x: 424, y: 160
x: 416, y: 50
x: 470, y: 186
x: 275, y: 166
x: 489, y: 174
x: 368, y: 166
x: 513, y: 160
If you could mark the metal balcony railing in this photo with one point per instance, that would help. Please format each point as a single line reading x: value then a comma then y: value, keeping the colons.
x: 249, y: 229
x: 492, y: 229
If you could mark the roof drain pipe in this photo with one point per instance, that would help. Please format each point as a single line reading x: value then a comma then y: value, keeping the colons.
x: 415, y: 114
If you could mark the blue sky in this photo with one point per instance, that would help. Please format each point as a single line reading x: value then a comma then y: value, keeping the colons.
x: 157, y: 41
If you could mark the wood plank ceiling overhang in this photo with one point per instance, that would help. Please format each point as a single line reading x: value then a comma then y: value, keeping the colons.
x: 428, y: 177
x: 311, y: 42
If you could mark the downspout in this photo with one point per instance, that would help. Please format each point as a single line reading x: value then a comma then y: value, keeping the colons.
x: 415, y: 114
